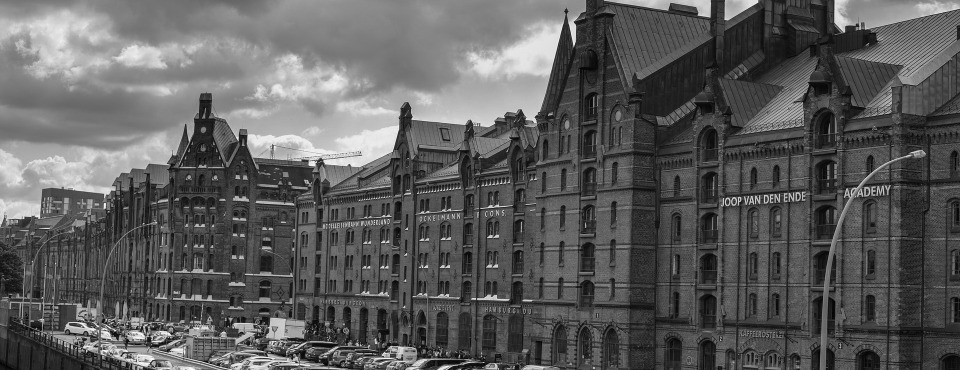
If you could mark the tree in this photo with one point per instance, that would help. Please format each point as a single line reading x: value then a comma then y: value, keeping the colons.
x: 11, y: 270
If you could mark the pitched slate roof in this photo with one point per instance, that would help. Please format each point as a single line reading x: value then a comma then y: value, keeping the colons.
x: 785, y: 110
x: 746, y: 98
x: 224, y: 138
x: 643, y: 36
x: 952, y: 107
x: 865, y: 78
x: 427, y: 134
x: 561, y: 64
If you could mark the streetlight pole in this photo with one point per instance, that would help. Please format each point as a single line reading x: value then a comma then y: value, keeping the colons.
x: 106, y: 266
x: 33, y: 276
x: 825, y: 300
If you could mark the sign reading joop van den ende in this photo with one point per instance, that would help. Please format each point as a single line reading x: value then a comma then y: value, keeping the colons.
x: 799, y: 196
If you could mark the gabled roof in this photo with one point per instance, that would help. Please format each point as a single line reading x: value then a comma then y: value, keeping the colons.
x: 184, y: 142
x: 427, y: 134
x: 448, y: 171
x: 224, y: 138
x: 865, y: 78
x: 643, y: 36
x: 337, y: 174
x: 952, y: 107
x: 785, y: 109
x: 746, y: 98
x: 561, y: 64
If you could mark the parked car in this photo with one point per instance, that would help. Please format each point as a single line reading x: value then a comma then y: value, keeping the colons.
x: 286, y: 366
x: 361, y: 362
x: 143, y: 360
x: 326, y: 357
x: 136, y: 337
x: 266, y: 365
x: 347, y: 363
x: 179, y: 351
x: 469, y: 365
x: 501, y: 366
x: 160, y: 337
x: 167, y: 347
x: 161, y: 365
x: 80, y: 328
x: 299, y: 350
x: 433, y: 363
x: 217, y: 355
x: 314, y: 353
x: 539, y: 367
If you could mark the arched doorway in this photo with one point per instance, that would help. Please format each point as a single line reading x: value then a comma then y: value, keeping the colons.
x: 584, y: 347
x: 363, y: 327
x: 708, y: 355
x: 815, y: 360
x: 558, y: 346
x: 421, y: 328
x: 611, y: 350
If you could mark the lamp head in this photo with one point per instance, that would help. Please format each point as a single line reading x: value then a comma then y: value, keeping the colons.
x: 917, y: 154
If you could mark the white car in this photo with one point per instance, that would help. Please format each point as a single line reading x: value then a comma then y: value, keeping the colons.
x: 136, y: 337
x: 249, y: 361
x: 105, y: 334
x: 266, y: 365
x: 159, y: 337
x: 143, y: 360
x: 81, y: 328
x: 179, y: 351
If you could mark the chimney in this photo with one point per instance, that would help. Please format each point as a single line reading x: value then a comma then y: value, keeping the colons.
x: 206, y: 104
x: 243, y: 137
x: 826, y: 27
x: 718, y: 25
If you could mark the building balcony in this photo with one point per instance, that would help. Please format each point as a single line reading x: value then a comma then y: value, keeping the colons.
x: 709, y: 196
x: 710, y: 155
x: 709, y: 236
x: 588, y: 227
x: 589, y: 151
x: 589, y: 189
x: 825, y: 231
x: 825, y: 186
x: 708, y: 277
x: 826, y: 141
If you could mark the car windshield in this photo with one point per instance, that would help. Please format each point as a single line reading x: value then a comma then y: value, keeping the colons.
x: 162, y: 363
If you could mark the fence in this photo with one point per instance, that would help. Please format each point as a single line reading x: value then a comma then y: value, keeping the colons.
x: 24, y: 348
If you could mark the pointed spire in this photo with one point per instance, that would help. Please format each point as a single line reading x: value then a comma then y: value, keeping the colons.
x: 184, y: 142
x: 561, y: 66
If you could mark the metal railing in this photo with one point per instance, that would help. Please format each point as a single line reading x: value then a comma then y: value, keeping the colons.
x: 588, y: 227
x: 709, y: 236
x: 710, y: 195
x: 825, y: 231
x: 826, y: 140
x: 826, y: 186
x: 589, y: 151
x: 708, y: 277
x: 710, y: 155
x: 589, y: 189
x: 92, y: 359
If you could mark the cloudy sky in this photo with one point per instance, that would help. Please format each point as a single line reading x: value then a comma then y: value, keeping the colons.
x: 92, y: 88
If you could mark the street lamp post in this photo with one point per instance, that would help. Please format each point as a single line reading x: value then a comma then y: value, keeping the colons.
x: 33, y: 276
x: 106, y: 266
x: 825, y: 300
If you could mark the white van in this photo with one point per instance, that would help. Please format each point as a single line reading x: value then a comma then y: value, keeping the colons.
x: 408, y: 354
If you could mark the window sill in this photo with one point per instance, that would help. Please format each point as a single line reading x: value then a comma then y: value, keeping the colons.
x: 586, y: 273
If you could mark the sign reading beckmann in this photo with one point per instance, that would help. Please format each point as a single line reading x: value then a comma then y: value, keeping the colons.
x: 348, y: 224
x: 799, y: 196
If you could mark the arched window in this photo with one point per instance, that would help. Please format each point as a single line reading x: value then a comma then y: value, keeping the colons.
x: 588, y: 216
x: 675, y: 266
x: 540, y: 289
x: 544, y: 150
x: 590, y: 144
x: 954, y: 164
x: 613, y: 214
x: 515, y: 333
x: 752, y: 305
x: 587, y: 258
x: 817, y: 315
x: 611, y: 350
x: 775, y: 305
x: 584, y: 346
x: 775, y: 265
x: 775, y: 181
x: 468, y: 234
x: 754, y: 178
x: 558, y: 346
x: 826, y: 177
x: 466, y: 292
x: 518, y: 262
x: 676, y: 228
x: 708, y: 355
x: 489, y: 342
x: 951, y: 362
x: 708, y: 312
x: 543, y: 183
x: 264, y: 289
x: 955, y: 263
x: 443, y: 324
x: 591, y: 107
x: 826, y: 131
x: 709, y: 188
x: 869, y: 166
x: 676, y: 186
x: 753, y: 266
x: 776, y: 223
x: 674, y: 354
x: 586, y: 294
x: 820, y: 268
x: 560, y: 251
x: 826, y: 219
x: 614, y: 172
x: 870, y: 217
x: 708, y: 228
x: 753, y: 223
x: 871, y: 264
x: 709, y: 145
x: 518, y: 231
x: 563, y: 179
x: 560, y: 288
x: 563, y: 216
x: 955, y: 309
x: 589, y: 182
x: 954, y: 216
x: 751, y: 360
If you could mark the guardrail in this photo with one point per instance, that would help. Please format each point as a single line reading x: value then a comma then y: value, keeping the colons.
x: 87, y: 359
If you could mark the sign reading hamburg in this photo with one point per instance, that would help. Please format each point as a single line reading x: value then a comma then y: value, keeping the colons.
x: 799, y: 196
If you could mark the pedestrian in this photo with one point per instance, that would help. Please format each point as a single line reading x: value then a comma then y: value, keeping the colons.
x: 126, y: 341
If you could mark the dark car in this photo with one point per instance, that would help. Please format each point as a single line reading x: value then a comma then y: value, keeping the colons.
x: 299, y: 350
x: 469, y: 365
x: 314, y: 353
x: 433, y: 363
x: 326, y: 357
x: 347, y: 363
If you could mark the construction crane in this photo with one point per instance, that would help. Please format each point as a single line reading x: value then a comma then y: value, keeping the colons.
x: 316, y: 155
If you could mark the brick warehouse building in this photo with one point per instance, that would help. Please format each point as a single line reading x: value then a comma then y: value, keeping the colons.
x: 671, y: 205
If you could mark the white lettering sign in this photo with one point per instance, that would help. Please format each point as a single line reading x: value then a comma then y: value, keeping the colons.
x: 761, y: 334
x: 753, y: 200
x: 494, y: 213
x: 348, y: 224
x: 440, y: 217
x: 867, y: 191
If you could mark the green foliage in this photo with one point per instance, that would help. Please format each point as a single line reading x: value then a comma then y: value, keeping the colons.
x: 11, y: 271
